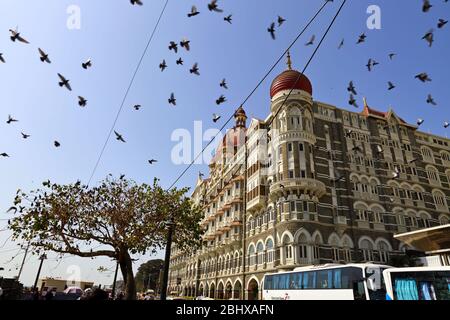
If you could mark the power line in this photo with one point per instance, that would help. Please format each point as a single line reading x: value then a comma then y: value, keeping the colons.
x: 127, y: 92
x: 252, y: 92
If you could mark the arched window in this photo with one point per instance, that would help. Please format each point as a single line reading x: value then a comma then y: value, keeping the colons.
x: 440, y: 200
x: 445, y: 156
x: 361, y: 211
x: 302, y: 248
x: 367, y: 249
x: 427, y: 154
x: 377, y: 214
x: 433, y: 175
x: 443, y: 220
x: 424, y: 220
x: 347, y: 245
x: 260, y: 251
x: 251, y: 255
x: 334, y: 243
x: 270, y: 251
x: 287, y: 246
x: 383, y: 250
x: 295, y: 118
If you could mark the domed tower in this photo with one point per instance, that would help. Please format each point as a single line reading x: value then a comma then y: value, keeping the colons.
x: 292, y: 144
x: 240, y: 118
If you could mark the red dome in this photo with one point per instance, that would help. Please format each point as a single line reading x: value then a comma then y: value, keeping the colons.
x: 286, y: 81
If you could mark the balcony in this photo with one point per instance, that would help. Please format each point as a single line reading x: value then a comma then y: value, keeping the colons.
x: 302, y: 185
x: 340, y: 220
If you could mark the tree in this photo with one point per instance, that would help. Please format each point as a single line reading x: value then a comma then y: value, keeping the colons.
x: 116, y: 219
x: 148, y: 273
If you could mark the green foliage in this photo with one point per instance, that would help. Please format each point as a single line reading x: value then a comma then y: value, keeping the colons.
x: 147, y: 276
x: 118, y: 213
x: 117, y: 219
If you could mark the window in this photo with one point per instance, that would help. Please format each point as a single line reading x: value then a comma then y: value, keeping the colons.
x: 367, y: 250
x: 300, y: 146
x: 440, y: 200
x: 427, y: 154
x: 433, y: 175
x: 383, y: 250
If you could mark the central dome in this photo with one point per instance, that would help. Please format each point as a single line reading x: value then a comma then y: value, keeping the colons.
x: 287, y: 81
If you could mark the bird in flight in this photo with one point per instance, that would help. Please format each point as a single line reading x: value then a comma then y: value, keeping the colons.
x: 362, y: 38
x: 172, y: 99
x: 429, y: 37
x: 228, y: 18
x: 185, y: 44
x: 44, y: 56
x: 57, y: 144
x: 87, y: 64
x: 193, y: 12
x: 426, y: 6
x: 352, y: 101
x: 221, y: 100
x: 420, y: 121
x: 25, y: 136
x: 119, y: 137
x: 180, y: 61
x: 223, y: 84
x: 430, y: 100
x: 212, y: 6
x: 11, y: 120
x: 12, y: 209
x: 446, y: 124
x: 173, y: 46
x: 137, y: 107
x: 152, y: 161
x: 351, y: 88
x: 4, y: 155
x: 311, y: 41
x: 15, y: 35
x: 281, y: 20
x: 341, y: 44
x: 392, y: 55
x: 271, y: 30
x: 138, y: 2
x: 442, y: 23
x: 82, y: 102
x: 195, y: 69
x: 216, y: 117
x: 64, y: 82
x: 370, y: 64
x: 390, y: 85
x: 423, y: 77
x: 163, y: 65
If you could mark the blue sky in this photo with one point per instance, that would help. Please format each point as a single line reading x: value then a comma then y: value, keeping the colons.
x: 114, y: 33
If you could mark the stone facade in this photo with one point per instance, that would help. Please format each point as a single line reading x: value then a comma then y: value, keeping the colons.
x: 310, y: 184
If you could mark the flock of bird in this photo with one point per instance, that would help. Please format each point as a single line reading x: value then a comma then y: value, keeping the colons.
x: 195, y: 69
x: 423, y: 76
x: 63, y: 81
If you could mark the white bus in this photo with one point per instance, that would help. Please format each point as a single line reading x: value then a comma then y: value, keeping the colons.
x: 419, y: 283
x: 327, y: 282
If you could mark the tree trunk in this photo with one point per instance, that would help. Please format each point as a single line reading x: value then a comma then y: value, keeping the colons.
x: 126, y: 267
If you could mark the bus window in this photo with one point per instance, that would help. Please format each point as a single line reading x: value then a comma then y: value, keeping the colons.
x: 305, y: 280
x: 276, y: 282
x: 268, y: 283
x: 337, y: 279
x: 295, y: 281
x: 325, y: 279
x: 359, y: 292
